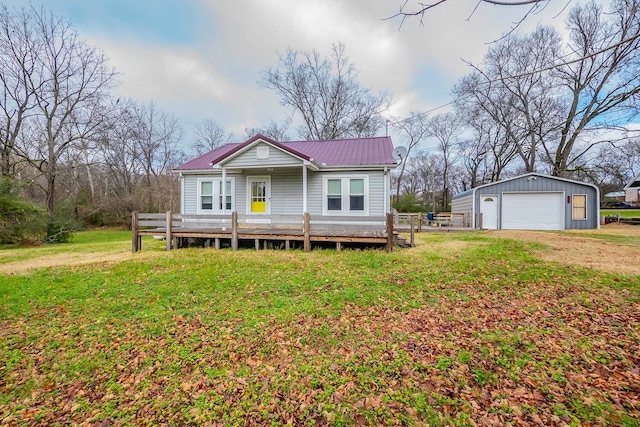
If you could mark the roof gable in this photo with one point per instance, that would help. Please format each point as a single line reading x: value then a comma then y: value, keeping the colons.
x: 255, y: 142
x: 634, y: 183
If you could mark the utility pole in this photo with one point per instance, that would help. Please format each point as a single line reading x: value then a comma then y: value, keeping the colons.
x: 433, y: 188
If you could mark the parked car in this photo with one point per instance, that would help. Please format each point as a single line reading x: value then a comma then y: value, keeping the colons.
x: 618, y: 205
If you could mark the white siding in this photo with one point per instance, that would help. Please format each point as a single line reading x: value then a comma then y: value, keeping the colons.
x: 376, y: 190
x: 314, y: 199
x: 250, y: 158
x: 286, y: 191
x: 190, y: 196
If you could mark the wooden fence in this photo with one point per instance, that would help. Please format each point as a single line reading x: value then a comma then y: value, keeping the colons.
x: 418, y: 220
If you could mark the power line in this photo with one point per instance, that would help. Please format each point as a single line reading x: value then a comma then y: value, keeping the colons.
x: 529, y: 73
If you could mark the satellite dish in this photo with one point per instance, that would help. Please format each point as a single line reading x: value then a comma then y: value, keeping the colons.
x: 399, y: 153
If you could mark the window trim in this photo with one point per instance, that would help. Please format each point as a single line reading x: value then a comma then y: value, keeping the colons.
x: 573, y: 207
x: 345, y: 185
x: 251, y: 179
x: 215, y: 184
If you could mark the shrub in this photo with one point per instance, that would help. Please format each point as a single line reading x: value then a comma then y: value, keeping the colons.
x: 409, y: 203
x: 19, y: 218
x: 60, y: 231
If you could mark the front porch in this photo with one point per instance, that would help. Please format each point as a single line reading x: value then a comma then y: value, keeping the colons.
x: 273, y: 230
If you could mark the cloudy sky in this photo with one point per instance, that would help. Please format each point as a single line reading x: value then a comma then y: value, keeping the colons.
x: 201, y: 59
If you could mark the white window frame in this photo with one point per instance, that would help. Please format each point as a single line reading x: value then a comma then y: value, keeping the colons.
x: 215, y: 184
x: 345, y: 186
x: 251, y: 179
x: 586, y: 213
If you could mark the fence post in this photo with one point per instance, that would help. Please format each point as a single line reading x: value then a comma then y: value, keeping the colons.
x: 412, y: 243
x: 168, y: 236
x: 419, y: 222
x: 389, y: 232
x: 234, y: 231
x: 307, y: 232
x: 134, y: 233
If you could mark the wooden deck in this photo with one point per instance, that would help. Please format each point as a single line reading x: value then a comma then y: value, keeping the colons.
x: 284, y: 230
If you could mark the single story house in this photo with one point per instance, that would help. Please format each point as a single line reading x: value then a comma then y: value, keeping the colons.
x: 632, y: 191
x: 531, y: 202
x: 264, y: 178
x: 615, y: 195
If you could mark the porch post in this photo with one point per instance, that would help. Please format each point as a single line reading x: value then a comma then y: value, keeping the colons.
x: 224, y: 191
x: 304, y: 188
x: 390, y: 241
x: 234, y: 231
x: 135, y: 247
x: 168, y: 237
x: 385, y: 190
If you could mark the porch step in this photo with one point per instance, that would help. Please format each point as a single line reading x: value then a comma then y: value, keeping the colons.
x: 401, y: 241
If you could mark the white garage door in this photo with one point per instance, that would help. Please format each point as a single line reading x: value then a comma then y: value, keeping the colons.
x: 533, y: 211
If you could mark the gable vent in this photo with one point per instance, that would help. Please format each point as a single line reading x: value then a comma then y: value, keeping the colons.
x: 262, y: 152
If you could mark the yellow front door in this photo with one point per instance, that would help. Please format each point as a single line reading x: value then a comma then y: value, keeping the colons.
x: 258, y: 196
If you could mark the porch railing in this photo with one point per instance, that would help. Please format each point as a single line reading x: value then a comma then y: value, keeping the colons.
x: 231, y: 226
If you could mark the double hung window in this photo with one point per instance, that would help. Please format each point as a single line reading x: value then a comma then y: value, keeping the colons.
x: 346, y: 195
x: 210, y: 195
x: 579, y: 208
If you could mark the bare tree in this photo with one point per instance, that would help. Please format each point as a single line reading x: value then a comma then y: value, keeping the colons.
x: 118, y: 145
x: 209, y: 135
x: 68, y: 82
x: 446, y: 129
x: 422, y: 170
x: 18, y: 53
x: 519, y: 99
x: 491, y: 124
x: 616, y: 163
x: 553, y: 105
x: 410, y: 9
x: 604, y: 85
x: 157, y: 136
x: 275, y: 130
x: 414, y: 130
x: 326, y: 94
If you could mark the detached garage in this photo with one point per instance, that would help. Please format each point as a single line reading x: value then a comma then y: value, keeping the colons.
x: 531, y: 202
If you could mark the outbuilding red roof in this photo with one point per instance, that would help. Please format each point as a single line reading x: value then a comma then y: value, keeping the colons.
x: 370, y: 151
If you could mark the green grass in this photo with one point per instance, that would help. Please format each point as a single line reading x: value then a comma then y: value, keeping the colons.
x: 82, y: 242
x: 627, y: 213
x: 464, y: 326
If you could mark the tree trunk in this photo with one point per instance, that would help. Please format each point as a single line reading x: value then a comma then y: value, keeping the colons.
x: 51, y: 188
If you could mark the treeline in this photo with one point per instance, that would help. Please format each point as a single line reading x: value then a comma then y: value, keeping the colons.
x: 538, y: 102
x: 71, y: 154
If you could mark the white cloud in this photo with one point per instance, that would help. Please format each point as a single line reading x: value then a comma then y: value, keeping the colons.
x: 217, y: 77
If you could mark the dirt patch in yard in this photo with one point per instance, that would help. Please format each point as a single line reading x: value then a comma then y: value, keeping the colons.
x: 619, y: 253
x: 67, y: 260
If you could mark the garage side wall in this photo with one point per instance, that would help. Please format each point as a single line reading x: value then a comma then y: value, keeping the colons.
x: 544, y: 184
x: 463, y: 203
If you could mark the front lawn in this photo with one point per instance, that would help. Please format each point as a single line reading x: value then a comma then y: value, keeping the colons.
x: 465, y: 329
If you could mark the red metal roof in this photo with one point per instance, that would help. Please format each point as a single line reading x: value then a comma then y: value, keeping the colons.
x: 338, y: 152
x: 348, y: 152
